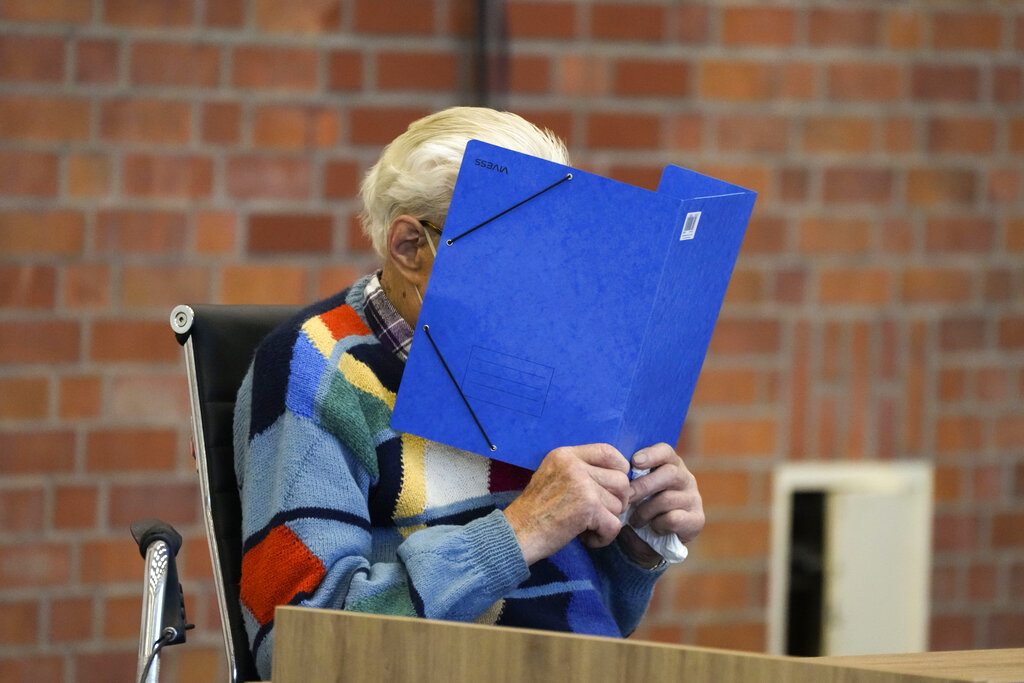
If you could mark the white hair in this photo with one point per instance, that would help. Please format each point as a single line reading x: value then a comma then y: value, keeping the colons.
x: 416, y: 172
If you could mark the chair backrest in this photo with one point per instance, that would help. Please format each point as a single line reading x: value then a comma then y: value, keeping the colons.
x: 219, y: 342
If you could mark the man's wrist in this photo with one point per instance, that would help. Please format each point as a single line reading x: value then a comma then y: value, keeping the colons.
x: 637, y: 550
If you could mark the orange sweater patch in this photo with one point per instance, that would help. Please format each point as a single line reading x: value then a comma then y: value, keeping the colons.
x: 344, y: 321
x: 275, y: 571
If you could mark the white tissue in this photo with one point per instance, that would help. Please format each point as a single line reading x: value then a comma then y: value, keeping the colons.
x: 667, y: 545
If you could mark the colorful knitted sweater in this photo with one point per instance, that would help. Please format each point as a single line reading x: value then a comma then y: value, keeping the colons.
x: 340, y: 511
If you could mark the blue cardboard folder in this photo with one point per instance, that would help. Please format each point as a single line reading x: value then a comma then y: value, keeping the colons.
x: 567, y: 308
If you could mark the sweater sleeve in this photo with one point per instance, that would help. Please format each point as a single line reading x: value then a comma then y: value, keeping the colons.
x: 626, y: 587
x: 309, y: 540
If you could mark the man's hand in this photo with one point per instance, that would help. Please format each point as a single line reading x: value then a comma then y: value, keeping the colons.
x: 576, y: 491
x: 673, y: 504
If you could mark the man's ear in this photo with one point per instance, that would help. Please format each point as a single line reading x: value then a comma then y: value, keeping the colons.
x: 405, y: 247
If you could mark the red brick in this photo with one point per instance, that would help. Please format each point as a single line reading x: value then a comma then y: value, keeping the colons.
x: 275, y: 68
x: 143, y: 231
x: 1005, y: 629
x: 753, y: 25
x: 296, y: 127
x: 945, y: 83
x: 163, y: 287
x: 79, y: 397
x: 175, y: 64
x: 745, y: 287
x: 226, y: 13
x: 946, y: 487
x: 258, y: 177
x: 1008, y: 84
x: 221, y: 122
x: 959, y: 434
x: 131, y: 450
x: 89, y: 175
x: 903, y: 28
x: 118, y: 617
x: 417, y: 71
x: 97, y: 61
x: 164, y: 176
x: 87, y: 285
x: 712, y: 591
x: 1011, y: 332
x: 725, y: 488
x: 1015, y: 235
x: 529, y: 74
x: 263, y: 285
x: 109, y: 561
x: 22, y: 511
x: 623, y: 130
x: 355, y: 239
x: 39, y: 341
x: 1017, y: 134
x: 937, y: 186
x: 900, y: 135
x: 959, y: 235
x: 750, y: 133
x: 1008, y: 530
x: 379, y: 16
x: 1003, y: 186
x: 955, y: 533
x: 858, y: 185
x: 290, y: 233
x: 56, y: 11
x: 531, y: 19
x: 965, y: 333
x: 307, y: 17
x: 833, y: 234
x: 993, y: 384
x: 27, y: 286
x: 379, y: 126
x: 934, y: 285
x: 24, y: 398
x: 748, y: 636
x: 119, y: 341
x: 345, y: 69
x: 745, y: 335
x: 28, y: 174
x: 832, y: 27
x: 215, y: 232
x: 652, y: 77
x: 738, y: 81
x: 341, y: 179
x: 838, y: 134
x: 737, y: 436
x: 148, y: 13
x: 857, y: 286
x: 34, y: 564
x: 966, y: 31
x: 963, y: 135
x: 584, y: 75
x: 148, y: 397
x: 114, y: 663
x: 733, y: 539
x: 75, y: 507
x: 175, y: 503
x: 19, y: 622
x: 36, y: 452
x: 635, y: 21
x: 952, y: 632
x: 334, y: 279
x: 31, y: 58
x: 152, y: 121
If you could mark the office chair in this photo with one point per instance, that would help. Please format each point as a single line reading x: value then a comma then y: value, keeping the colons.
x: 219, y: 342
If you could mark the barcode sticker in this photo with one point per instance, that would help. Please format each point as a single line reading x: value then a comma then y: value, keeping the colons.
x: 690, y: 226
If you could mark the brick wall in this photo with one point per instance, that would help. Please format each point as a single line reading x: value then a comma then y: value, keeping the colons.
x: 160, y: 151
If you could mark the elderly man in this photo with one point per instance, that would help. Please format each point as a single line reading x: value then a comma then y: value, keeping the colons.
x: 341, y: 511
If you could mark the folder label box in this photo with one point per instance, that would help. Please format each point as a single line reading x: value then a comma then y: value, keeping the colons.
x: 567, y: 308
